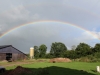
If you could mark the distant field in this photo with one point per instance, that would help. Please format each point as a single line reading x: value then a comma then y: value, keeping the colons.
x: 72, y: 68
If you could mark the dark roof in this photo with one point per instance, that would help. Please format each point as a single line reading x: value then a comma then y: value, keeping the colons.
x: 18, y: 50
x: 4, y: 46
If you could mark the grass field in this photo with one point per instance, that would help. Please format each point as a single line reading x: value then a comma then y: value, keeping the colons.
x: 72, y: 68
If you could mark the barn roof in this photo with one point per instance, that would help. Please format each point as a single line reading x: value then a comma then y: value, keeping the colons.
x: 4, y: 46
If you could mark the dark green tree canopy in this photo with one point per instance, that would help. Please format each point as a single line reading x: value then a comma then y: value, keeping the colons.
x: 83, y: 49
x: 97, y: 48
x: 58, y: 49
x: 42, y: 50
x: 70, y: 54
x: 36, y: 52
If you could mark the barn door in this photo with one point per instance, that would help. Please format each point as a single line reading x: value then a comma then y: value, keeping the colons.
x: 8, y: 56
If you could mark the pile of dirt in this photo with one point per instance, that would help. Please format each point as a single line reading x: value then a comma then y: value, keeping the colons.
x: 4, y: 61
x: 18, y: 70
x: 60, y: 60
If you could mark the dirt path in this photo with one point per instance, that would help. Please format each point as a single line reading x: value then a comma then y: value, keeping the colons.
x: 19, y: 63
x: 8, y: 64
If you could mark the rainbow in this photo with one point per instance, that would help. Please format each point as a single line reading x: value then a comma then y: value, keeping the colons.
x: 48, y: 21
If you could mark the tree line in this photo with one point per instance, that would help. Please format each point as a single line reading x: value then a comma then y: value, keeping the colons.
x: 58, y: 49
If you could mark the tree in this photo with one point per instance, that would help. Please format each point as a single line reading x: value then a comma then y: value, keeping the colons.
x: 83, y: 49
x: 48, y: 55
x: 97, y: 55
x: 96, y: 48
x: 36, y: 52
x: 58, y: 49
x: 42, y: 51
x: 70, y: 54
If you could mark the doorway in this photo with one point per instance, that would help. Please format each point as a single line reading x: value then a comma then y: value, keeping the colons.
x: 8, y: 56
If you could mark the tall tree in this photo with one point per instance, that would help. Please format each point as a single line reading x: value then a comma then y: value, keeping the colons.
x: 36, y: 52
x: 42, y: 51
x: 96, y: 48
x: 83, y: 49
x: 70, y: 54
x: 58, y: 49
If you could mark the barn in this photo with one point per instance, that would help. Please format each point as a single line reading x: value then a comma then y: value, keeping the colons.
x: 8, y: 52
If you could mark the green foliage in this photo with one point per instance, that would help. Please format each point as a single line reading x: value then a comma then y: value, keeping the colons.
x: 89, y: 58
x: 97, y: 55
x: 48, y: 55
x: 42, y: 51
x: 58, y: 49
x: 36, y: 52
x: 96, y: 48
x: 70, y: 54
x: 84, y: 59
x: 83, y: 49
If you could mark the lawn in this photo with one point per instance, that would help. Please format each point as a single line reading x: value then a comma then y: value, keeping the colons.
x: 72, y: 68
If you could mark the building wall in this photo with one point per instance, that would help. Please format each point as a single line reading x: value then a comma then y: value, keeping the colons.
x: 2, y: 56
x: 16, y: 54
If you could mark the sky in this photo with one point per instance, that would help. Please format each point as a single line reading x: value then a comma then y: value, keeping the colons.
x: 29, y: 23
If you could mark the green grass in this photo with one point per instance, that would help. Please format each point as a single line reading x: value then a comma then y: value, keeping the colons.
x: 72, y: 68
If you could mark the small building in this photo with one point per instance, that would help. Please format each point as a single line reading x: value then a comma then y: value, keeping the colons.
x: 8, y: 52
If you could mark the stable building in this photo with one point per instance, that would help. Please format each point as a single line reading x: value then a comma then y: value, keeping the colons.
x: 8, y: 52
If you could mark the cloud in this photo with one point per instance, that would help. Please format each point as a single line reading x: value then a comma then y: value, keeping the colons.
x: 15, y: 17
x: 91, y: 38
x: 96, y: 34
x: 85, y: 36
x: 16, y: 14
x: 31, y: 35
x: 45, y: 33
x: 25, y: 37
x: 47, y: 11
x: 77, y: 12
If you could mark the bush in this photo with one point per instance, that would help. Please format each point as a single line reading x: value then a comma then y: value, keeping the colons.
x: 90, y: 58
x: 84, y: 59
x: 97, y: 55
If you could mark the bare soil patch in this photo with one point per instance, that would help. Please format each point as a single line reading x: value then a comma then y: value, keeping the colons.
x: 60, y: 60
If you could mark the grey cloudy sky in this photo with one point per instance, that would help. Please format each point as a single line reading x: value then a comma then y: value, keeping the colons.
x: 82, y: 13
